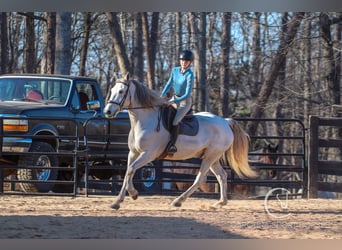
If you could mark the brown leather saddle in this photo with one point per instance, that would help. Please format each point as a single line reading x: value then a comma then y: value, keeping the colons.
x: 188, y: 126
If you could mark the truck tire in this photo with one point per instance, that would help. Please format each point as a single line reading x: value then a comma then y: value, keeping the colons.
x: 151, y: 177
x: 44, y: 160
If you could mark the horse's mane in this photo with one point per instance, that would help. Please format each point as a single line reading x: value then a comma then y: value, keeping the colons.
x: 145, y: 96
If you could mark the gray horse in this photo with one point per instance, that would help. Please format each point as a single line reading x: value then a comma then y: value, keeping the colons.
x: 217, y: 139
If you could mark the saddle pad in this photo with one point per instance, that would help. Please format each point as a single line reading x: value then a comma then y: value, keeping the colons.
x: 188, y: 126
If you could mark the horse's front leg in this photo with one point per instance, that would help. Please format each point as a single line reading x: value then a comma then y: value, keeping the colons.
x: 121, y: 196
x: 128, y: 185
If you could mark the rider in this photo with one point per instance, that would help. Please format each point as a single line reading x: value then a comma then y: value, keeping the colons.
x: 181, y: 79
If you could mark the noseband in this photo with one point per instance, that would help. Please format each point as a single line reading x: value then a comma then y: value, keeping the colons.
x: 124, y: 97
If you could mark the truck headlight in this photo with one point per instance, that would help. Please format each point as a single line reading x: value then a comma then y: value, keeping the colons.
x: 15, y: 125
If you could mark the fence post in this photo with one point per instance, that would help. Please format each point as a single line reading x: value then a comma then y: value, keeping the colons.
x: 313, y: 156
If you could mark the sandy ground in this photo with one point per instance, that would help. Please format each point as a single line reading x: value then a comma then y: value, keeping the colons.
x: 152, y: 217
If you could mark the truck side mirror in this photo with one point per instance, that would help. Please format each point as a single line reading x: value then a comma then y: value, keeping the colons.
x: 93, y: 105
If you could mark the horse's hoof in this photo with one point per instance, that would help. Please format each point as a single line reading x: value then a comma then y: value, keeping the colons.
x: 219, y: 204
x: 134, y: 195
x: 115, y: 206
x: 176, y: 203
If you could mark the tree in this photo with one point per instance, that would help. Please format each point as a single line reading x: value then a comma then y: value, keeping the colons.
x: 119, y: 47
x: 198, y: 34
x: 224, y: 64
x: 47, y: 63
x: 332, y: 78
x: 88, y: 22
x: 151, y: 38
x: 63, y: 43
x: 276, y: 64
x: 257, y: 56
x: 307, y: 78
x: 29, y: 48
x: 138, y: 50
x: 3, y: 43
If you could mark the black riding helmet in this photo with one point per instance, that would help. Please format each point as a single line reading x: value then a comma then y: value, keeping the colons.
x: 186, y: 55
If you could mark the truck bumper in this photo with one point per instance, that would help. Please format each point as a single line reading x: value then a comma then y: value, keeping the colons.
x: 13, y: 144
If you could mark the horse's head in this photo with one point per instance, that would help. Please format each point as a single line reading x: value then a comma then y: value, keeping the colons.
x: 271, y: 158
x: 117, y: 97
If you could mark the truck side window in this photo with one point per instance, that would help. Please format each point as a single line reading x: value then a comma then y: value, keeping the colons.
x: 83, y: 100
x: 75, y: 103
x: 86, y: 93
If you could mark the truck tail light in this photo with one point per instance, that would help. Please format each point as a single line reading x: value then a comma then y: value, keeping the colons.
x: 15, y: 125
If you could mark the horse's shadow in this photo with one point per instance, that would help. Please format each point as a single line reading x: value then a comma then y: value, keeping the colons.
x: 108, y: 227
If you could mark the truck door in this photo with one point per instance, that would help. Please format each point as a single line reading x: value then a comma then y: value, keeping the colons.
x: 89, y: 118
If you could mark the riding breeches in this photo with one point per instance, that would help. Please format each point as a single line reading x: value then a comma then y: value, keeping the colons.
x: 183, y: 108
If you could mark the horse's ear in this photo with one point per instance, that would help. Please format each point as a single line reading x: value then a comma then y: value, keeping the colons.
x: 127, y: 76
x: 113, y: 79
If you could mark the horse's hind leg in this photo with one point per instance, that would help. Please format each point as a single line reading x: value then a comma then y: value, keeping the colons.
x: 221, y: 177
x: 201, y: 176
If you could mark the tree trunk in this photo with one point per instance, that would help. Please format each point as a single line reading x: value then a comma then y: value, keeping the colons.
x: 85, y: 42
x: 151, y: 37
x: 47, y: 63
x: 29, y: 49
x: 276, y: 64
x: 179, y: 33
x: 4, y: 43
x: 224, y: 64
x: 119, y: 46
x: 63, y: 43
x: 138, y: 50
x: 307, y: 71
x: 199, y: 40
x: 331, y: 78
x: 256, y: 61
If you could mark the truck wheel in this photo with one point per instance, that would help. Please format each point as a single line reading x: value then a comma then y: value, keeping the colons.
x: 43, y: 160
x: 150, y: 177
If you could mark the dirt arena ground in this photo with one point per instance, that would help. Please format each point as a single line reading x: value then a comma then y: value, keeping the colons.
x: 152, y: 217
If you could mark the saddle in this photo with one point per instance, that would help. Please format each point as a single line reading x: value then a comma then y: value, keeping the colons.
x: 188, y: 126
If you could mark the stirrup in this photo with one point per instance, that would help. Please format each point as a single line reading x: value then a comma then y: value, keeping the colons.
x: 171, y: 149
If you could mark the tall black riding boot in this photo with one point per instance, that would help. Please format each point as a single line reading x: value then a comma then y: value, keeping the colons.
x: 174, y: 134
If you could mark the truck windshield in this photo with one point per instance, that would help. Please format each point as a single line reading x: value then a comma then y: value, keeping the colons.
x: 23, y: 89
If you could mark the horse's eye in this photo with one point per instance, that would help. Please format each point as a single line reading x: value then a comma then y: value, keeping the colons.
x: 121, y: 92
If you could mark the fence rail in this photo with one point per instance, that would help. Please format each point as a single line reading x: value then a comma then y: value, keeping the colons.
x: 113, y: 184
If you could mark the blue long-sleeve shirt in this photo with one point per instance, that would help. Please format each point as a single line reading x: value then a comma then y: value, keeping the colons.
x: 181, y: 82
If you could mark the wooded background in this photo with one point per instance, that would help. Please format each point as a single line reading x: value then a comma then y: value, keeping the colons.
x: 251, y: 64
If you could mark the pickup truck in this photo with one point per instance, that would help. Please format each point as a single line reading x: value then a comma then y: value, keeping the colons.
x: 58, y: 114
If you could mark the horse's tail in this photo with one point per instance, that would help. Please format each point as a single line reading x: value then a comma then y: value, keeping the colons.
x: 237, y: 154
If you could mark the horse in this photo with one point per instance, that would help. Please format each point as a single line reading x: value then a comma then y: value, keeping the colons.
x: 217, y: 138
x: 267, y: 156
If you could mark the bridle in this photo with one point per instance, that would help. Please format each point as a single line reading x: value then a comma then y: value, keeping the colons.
x: 123, y: 98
